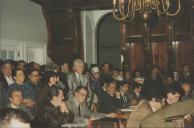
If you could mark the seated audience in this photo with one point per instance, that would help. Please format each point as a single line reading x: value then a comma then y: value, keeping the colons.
x: 14, y: 118
x: 110, y: 100
x: 135, y: 95
x: 187, y: 90
x: 55, y: 112
x: 150, y: 104
x: 77, y: 104
x: 19, y: 78
x: 92, y: 94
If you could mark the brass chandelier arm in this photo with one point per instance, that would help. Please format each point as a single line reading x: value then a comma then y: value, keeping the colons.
x: 115, y: 16
x: 177, y: 11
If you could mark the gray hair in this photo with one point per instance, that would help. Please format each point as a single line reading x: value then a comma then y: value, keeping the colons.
x: 77, y: 61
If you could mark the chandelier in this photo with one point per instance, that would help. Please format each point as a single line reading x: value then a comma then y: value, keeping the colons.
x: 125, y: 10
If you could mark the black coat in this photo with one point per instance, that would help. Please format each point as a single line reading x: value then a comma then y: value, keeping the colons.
x: 49, y: 116
x: 3, y: 90
x: 108, y: 104
x: 151, y: 86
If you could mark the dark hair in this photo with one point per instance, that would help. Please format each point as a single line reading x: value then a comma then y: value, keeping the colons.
x: 185, y: 82
x: 48, y: 75
x: 115, y: 69
x: 16, y: 70
x: 173, y: 89
x: 7, y: 62
x: 122, y: 83
x: 64, y: 62
x: 7, y: 114
x: 81, y: 87
x: 110, y: 66
x: 20, y: 61
x: 125, y: 72
x: 111, y: 82
x: 137, y: 70
x: 53, y: 91
x: 14, y: 90
x: 136, y: 85
x: 29, y: 72
x: 154, y: 66
x: 102, y: 65
x: 154, y: 94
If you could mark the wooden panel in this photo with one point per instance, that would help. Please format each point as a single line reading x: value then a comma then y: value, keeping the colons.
x: 137, y: 56
x: 64, y: 35
x: 184, y: 54
x: 160, y: 55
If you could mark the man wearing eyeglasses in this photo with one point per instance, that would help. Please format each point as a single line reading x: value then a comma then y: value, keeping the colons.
x: 32, y: 89
x: 77, y: 104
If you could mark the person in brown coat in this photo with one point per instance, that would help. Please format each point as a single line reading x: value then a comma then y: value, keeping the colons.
x: 178, y: 110
x: 144, y: 108
x: 55, y: 112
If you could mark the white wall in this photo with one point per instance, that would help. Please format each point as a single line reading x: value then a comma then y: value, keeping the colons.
x: 90, y: 20
x: 22, y: 21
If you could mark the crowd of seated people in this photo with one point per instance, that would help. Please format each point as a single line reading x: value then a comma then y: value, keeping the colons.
x: 53, y: 96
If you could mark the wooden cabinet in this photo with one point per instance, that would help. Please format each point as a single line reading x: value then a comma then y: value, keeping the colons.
x: 171, y: 42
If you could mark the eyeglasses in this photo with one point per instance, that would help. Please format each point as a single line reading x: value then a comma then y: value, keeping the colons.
x: 82, y: 94
x: 35, y: 75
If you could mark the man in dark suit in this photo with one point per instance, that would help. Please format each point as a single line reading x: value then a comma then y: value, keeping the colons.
x: 6, y: 80
x: 135, y: 95
x: 153, y: 82
x: 123, y: 89
x: 110, y: 101
x: 63, y: 76
x: 77, y: 79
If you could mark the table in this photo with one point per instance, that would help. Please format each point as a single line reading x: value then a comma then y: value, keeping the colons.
x: 119, y: 121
